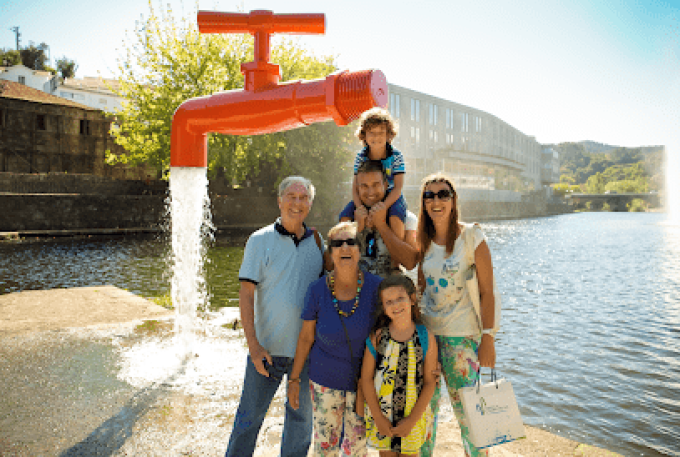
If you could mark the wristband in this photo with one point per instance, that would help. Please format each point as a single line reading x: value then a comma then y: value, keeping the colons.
x: 290, y: 381
x: 488, y: 331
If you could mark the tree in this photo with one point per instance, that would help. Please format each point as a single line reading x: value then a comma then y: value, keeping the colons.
x: 66, y: 67
x: 10, y: 57
x: 595, y: 184
x: 34, y: 56
x: 168, y: 62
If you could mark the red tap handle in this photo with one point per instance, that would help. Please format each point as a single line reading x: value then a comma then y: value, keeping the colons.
x: 261, y: 20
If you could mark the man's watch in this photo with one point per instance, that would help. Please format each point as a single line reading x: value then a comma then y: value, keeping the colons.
x: 488, y: 331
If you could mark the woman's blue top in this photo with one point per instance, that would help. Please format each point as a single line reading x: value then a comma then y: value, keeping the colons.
x: 329, y: 358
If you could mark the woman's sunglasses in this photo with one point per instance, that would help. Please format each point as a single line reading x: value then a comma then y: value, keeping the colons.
x: 338, y: 243
x: 444, y: 195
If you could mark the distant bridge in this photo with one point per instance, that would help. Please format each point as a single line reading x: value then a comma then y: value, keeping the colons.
x: 617, y: 202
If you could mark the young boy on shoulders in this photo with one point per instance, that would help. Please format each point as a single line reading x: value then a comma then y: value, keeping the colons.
x: 376, y: 130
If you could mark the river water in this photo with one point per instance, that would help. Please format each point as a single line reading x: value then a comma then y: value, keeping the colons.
x: 590, y: 333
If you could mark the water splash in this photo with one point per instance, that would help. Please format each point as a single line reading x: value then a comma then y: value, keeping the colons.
x: 192, y: 229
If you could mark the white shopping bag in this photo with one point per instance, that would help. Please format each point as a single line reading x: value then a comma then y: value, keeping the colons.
x: 492, y: 413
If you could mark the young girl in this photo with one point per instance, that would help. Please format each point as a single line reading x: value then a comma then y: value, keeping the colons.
x: 398, y: 372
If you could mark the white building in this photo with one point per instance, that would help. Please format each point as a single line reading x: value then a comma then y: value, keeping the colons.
x: 488, y: 159
x: 37, y: 79
x: 91, y: 91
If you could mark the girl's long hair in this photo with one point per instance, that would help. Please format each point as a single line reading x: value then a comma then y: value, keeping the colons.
x: 426, y: 230
x: 396, y: 280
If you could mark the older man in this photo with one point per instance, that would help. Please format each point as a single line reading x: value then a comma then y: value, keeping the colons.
x: 279, y: 263
x: 373, y: 220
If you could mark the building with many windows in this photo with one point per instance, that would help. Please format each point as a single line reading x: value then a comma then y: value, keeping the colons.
x: 488, y: 159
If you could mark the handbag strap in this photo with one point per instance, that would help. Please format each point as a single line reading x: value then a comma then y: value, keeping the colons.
x: 478, y: 383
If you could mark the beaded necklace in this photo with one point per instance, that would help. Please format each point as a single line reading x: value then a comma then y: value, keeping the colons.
x: 331, y: 286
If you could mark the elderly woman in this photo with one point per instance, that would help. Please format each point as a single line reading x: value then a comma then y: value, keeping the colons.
x: 337, y: 317
x: 446, y: 307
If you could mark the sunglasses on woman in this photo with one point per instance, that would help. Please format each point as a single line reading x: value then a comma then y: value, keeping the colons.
x: 338, y: 243
x: 443, y: 195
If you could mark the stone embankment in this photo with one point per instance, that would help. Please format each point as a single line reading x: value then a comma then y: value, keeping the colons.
x: 57, y: 204
x: 83, y: 372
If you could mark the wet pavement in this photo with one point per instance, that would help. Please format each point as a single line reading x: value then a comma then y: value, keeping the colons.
x: 127, y: 389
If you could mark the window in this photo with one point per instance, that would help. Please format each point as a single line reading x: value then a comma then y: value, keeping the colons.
x: 415, y: 110
x: 432, y: 113
x: 22, y: 80
x: 102, y: 101
x: 417, y: 134
x: 464, y: 122
x: 436, y: 138
x: 84, y: 127
x: 478, y: 124
x: 78, y: 97
x: 40, y: 122
x: 65, y: 94
x: 394, y: 105
x: 449, y: 118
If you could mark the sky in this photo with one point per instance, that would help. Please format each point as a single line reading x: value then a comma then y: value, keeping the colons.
x: 572, y: 70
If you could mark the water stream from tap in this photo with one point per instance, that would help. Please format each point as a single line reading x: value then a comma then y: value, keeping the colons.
x: 192, y: 230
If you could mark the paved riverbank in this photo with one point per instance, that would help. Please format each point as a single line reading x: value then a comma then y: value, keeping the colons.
x: 83, y: 375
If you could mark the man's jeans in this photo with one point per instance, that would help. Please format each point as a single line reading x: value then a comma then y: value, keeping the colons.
x: 258, y: 392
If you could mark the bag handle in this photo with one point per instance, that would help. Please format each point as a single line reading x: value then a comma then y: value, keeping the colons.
x: 478, y: 383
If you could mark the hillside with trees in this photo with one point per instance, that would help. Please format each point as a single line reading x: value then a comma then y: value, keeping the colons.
x: 595, y: 168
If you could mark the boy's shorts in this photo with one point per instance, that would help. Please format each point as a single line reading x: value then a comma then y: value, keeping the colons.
x: 397, y: 209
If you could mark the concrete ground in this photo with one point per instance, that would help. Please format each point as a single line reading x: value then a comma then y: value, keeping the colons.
x: 76, y: 381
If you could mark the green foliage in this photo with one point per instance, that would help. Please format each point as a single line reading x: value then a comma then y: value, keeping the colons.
x: 33, y: 56
x: 10, y: 57
x: 66, y: 67
x: 620, y: 169
x: 606, y: 207
x: 595, y: 184
x: 562, y: 189
x: 168, y: 62
x: 637, y: 205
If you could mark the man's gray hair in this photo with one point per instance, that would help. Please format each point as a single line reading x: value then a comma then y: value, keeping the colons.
x: 290, y: 180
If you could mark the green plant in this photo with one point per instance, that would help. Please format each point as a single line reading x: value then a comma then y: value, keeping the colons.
x: 637, y: 205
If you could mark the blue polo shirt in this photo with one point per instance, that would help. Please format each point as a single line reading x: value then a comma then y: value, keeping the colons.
x: 282, y: 267
x: 329, y: 359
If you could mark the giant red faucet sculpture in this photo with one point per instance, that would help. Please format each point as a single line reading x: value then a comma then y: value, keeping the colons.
x: 264, y: 105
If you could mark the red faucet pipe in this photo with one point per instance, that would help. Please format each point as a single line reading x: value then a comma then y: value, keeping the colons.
x: 265, y: 106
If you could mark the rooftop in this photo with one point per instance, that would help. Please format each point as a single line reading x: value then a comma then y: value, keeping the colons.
x: 11, y: 89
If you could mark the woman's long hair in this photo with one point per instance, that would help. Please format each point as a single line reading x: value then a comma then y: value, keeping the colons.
x: 426, y: 230
x: 396, y: 280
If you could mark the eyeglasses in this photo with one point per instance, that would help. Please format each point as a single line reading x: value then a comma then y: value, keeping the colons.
x: 338, y: 243
x: 443, y: 195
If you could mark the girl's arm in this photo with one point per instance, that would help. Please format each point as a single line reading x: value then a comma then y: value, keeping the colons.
x: 304, y: 345
x: 487, y: 348
x: 395, y: 193
x: 405, y: 426
x: 367, y: 375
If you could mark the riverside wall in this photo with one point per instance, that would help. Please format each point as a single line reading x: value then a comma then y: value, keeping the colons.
x: 62, y: 204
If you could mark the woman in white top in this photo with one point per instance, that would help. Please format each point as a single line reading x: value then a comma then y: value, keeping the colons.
x: 446, y: 307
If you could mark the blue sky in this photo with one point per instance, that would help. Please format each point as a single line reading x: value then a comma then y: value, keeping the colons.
x: 601, y: 70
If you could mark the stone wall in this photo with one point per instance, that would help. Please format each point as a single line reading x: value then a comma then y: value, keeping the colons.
x: 43, y: 138
x: 65, y: 183
x: 37, y: 212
